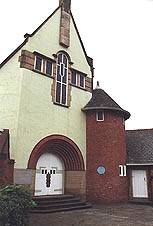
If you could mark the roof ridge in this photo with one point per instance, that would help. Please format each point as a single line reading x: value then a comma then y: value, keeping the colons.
x: 132, y: 130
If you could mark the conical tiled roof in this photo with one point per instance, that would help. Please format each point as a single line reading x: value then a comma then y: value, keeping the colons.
x: 102, y: 101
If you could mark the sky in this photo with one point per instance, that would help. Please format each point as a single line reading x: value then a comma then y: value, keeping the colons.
x: 117, y: 34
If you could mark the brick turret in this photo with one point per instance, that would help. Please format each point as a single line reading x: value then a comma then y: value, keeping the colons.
x: 106, y: 149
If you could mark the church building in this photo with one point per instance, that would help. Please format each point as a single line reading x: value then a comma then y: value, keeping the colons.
x: 59, y: 135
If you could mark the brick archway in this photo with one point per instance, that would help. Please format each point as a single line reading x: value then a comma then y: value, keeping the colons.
x: 62, y: 146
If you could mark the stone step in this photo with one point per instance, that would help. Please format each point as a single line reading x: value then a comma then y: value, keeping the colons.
x: 52, y: 197
x: 61, y: 209
x: 52, y: 200
x: 59, y: 205
x: 56, y: 203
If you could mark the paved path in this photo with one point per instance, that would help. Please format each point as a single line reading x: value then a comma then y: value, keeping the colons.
x: 102, y: 215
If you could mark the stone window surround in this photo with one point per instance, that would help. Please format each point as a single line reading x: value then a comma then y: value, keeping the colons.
x: 27, y: 61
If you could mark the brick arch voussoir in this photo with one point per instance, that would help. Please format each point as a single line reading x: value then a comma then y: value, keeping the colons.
x: 61, y: 145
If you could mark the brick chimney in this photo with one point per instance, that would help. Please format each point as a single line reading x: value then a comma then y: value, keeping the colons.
x: 64, y: 38
x: 66, y: 4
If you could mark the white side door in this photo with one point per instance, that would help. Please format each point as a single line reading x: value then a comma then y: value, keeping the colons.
x: 139, y: 184
x: 49, y: 175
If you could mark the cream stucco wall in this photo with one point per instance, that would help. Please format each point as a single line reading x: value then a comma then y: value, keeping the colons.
x: 39, y: 117
x: 10, y: 93
x: 27, y: 108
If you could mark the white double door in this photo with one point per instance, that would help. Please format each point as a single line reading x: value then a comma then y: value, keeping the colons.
x: 139, y: 184
x: 49, y: 175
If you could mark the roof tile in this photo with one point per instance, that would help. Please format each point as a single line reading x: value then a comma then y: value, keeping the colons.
x: 101, y: 100
x: 139, y: 146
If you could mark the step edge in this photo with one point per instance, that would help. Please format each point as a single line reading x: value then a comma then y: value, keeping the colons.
x: 61, y: 205
x: 61, y: 210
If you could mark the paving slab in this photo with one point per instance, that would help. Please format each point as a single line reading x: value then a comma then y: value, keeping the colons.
x: 99, y: 215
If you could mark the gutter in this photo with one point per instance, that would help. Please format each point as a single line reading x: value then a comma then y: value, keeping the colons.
x: 139, y: 164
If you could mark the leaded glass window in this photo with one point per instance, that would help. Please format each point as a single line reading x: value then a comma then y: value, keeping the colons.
x: 61, y: 79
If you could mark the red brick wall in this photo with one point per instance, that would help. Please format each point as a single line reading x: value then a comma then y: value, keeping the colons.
x: 105, y: 147
x: 6, y: 171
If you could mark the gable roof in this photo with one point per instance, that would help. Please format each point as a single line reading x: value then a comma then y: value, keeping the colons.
x: 139, y: 145
x: 102, y: 101
x: 26, y: 36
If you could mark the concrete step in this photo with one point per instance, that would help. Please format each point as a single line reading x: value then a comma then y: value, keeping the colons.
x: 43, y: 198
x: 62, y: 209
x: 57, y: 201
x: 52, y: 204
x: 59, y: 205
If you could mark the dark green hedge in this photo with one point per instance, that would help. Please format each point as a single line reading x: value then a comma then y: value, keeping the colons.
x: 15, y: 204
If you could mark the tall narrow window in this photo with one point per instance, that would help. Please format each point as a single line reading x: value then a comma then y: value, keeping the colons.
x: 100, y: 116
x: 82, y: 81
x: 38, y: 63
x: 48, y: 67
x: 61, y: 79
x: 73, y: 78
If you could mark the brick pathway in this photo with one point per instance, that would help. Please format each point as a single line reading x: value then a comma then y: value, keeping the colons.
x: 102, y: 215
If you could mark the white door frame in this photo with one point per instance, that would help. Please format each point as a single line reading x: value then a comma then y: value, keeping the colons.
x: 139, y: 184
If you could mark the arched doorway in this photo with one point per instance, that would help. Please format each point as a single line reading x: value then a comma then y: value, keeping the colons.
x: 49, y: 178
x: 67, y: 155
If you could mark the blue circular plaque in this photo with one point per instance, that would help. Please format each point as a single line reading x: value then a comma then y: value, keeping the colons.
x: 101, y: 170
